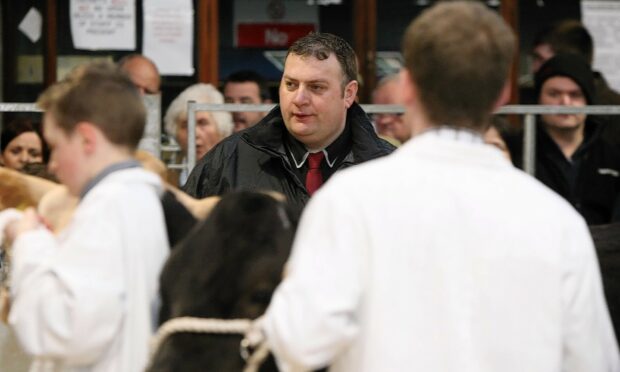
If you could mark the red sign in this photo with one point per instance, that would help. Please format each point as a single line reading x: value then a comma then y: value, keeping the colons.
x: 271, y: 35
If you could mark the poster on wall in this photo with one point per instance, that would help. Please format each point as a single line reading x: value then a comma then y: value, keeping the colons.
x: 103, y: 24
x: 169, y: 35
x: 272, y: 23
x: 602, y: 18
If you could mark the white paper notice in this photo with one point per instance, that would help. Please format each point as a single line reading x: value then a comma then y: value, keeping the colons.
x: 31, y: 25
x: 103, y: 24
x: 169, y: 35
x: 602, y: 18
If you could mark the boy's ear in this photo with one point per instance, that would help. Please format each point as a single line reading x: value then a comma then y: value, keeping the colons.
x: 409, y: 91
x: 504, y: 96
x: 89, y: 135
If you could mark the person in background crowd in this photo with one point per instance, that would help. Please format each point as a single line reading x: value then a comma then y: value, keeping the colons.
x: 142, y: 72
x: 571, y: 156
x: 316, y: 130
x: 571, y: 36
x: 211, y: 126
x: 247, y: 87
x: 393, y: 126
x: 442, y: 256
x: 21, y: 143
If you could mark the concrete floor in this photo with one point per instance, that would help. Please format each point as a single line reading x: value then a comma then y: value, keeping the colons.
x: 12, y: 359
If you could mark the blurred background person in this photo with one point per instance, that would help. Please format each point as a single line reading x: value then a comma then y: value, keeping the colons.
x: 21, y: 143
x: 571, y: 36
x: 390, y: 126
x: 142, y: 71
x: 211, y: 127
x: 246, y: 86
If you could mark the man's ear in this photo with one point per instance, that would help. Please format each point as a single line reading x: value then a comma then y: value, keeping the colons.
x: 350, y: 92
x: 88, y: 135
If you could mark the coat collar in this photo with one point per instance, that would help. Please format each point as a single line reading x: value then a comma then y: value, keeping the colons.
x: 270, y: 132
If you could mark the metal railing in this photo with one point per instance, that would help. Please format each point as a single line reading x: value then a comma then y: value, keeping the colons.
x: 151, y: 139
x: 529, y: 113
x: 153, y: 127
x: 19, y: 107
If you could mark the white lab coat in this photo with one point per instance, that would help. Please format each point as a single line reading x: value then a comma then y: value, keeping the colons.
x: 88, y: 298
x: 441, y: 257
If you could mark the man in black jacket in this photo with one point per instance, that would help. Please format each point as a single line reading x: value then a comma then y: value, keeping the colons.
x: 316, y: 130
x: 571, y: 156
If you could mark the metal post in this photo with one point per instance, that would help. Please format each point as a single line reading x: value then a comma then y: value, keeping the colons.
x: 529, y: 144
x: 151, y: 139
x: 191, y: 136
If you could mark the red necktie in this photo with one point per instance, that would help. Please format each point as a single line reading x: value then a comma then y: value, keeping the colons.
x: 314, y: 179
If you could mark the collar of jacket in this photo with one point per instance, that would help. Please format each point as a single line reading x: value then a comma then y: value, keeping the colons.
x: 268, y: 135
x: 592, y: 132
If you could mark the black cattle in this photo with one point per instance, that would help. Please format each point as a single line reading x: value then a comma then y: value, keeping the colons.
x: 227, y: 268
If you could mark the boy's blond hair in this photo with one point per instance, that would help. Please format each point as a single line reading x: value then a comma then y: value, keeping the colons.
x: 98, y: 93
x: 458, y: 55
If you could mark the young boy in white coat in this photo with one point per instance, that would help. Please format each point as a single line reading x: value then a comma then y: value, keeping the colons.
x: 86, y: 299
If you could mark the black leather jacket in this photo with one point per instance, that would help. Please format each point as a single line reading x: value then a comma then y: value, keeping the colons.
x: 256, y: 159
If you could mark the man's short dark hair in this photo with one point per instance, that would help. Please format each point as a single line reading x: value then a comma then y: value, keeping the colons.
x: 321, y: 45
x: 250, y: 76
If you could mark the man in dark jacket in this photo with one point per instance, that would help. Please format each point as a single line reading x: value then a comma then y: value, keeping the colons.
x: 571, y: 36
x: 316, y: 130
x: 571, y: 156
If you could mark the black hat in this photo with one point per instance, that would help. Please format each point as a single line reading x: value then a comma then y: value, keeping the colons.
x: 571, y: 66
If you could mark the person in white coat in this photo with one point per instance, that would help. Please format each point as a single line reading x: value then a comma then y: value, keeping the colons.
x: 443, y: 256
x: 87, y: 299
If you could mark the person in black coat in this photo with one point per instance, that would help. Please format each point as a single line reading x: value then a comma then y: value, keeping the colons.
x: 316, y: 130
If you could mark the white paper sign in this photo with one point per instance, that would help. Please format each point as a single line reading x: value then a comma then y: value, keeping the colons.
x: 169, y: 35
x: 31, y: 25
x: 602, y: 18
x: 103, y: 24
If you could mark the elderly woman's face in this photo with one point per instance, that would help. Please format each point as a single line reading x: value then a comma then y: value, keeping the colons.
x: 207, y: 133
x: 23, y: 149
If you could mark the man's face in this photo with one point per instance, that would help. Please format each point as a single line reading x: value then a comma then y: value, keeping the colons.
x: 313, y: 103
x: 67, y: 156
x: 207, y: 133
x: 243, y: 92
x: 143, y: 75
x: 563, y: 91
x: 540, y: 54
x: 390, y: 125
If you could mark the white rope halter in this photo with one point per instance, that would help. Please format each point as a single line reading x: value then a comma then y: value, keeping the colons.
x: 253, y: 337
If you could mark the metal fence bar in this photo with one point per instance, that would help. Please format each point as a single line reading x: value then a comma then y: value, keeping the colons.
x: 540, y: 109
x: 151, y: 138
x: 193, y: 107
x: 396, y: 109
x: 19, y: 107
x: 191, y: 135
x: 529, y: 144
